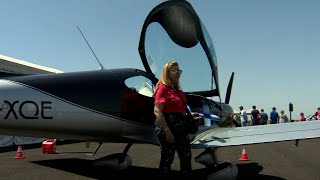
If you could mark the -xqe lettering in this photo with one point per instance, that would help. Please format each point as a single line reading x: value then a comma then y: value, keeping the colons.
x: 39, y: 111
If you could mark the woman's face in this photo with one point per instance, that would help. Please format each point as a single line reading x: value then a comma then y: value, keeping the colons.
x: 174, y: 73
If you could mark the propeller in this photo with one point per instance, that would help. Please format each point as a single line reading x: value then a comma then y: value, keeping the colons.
x: 228, y: 95
x: 227, y: 100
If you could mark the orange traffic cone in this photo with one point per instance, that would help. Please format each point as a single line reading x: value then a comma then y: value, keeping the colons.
x: 244, y: 156
x: 19, y: 154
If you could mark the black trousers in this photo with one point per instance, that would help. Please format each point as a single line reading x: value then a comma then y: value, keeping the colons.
x: 176, y: 124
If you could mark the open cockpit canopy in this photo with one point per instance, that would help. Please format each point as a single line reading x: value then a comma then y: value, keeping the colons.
x: 173, y: 32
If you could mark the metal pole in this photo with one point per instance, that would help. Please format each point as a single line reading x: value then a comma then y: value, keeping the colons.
x: 290, y: 110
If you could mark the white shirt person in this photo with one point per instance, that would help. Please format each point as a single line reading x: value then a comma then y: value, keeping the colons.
x: 243, y: 116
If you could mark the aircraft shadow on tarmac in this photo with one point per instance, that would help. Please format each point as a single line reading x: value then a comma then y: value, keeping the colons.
x: 85, y: 168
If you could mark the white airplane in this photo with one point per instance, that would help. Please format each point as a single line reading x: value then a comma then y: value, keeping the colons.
x: 116, y: 105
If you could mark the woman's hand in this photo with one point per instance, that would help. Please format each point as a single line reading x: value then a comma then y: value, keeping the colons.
x: 169, y: 136
x: 195, y: 116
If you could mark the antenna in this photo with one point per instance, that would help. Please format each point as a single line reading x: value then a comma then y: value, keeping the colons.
x: 101, y: 67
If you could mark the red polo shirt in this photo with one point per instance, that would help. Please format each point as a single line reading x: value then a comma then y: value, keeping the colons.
x: 172, y: 102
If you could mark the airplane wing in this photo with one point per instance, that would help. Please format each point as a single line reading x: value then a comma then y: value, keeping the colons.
x: 220, y: 137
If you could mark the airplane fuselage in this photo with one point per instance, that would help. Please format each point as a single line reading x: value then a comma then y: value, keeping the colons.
x: 93, y: 105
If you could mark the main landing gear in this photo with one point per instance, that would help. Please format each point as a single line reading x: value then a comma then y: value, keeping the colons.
x: 215, y: 169
x: 116, y: 162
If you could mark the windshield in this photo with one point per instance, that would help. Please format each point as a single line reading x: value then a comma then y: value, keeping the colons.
x: 160, y: 49
x: 210, y: 45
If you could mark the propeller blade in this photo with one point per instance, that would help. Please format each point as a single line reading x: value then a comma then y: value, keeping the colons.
x: 236, y: 123
x: 229, y: 89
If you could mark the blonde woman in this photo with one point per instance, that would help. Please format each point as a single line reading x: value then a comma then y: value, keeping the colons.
x: 169, y: 108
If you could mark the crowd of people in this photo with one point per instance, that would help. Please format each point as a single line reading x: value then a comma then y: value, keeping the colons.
x: 261, y: 117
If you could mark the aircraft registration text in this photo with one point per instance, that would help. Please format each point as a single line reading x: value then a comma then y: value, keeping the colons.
x: 26, y: 109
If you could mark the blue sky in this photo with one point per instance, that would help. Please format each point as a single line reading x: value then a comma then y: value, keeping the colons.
x: 272, y: 46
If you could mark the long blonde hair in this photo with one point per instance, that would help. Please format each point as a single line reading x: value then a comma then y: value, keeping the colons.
x: 165, y: 79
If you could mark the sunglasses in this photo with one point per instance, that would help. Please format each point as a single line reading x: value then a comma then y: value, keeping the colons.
x: 175, y: 71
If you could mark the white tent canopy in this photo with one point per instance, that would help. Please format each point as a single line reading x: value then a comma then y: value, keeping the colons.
x: 15, y: 66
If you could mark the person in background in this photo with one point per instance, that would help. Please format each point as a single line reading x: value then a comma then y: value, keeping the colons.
x: 283, y: 117
x: 169, y: 109
x: 317, y: 114
x: 274, y: 116
x: 243, y: 116
x: 263, y: 117
x: 254, y: 116
x: 302, y: 118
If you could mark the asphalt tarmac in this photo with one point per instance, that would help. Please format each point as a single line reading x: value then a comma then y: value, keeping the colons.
x: 281, y: 160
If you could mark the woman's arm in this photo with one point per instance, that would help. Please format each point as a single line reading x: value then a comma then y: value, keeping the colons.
x: 159, y: 116
x: 163, y: 124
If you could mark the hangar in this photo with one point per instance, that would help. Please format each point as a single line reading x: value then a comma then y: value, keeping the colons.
x: 12, y: 67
